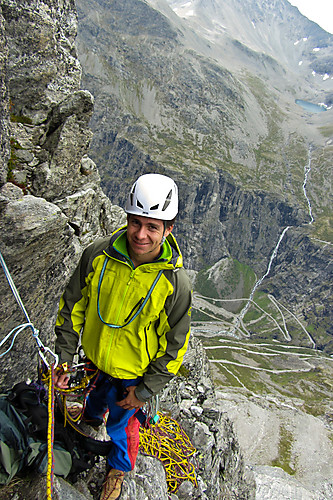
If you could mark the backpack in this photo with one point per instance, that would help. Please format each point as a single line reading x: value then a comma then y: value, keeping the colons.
x: 23, y: 437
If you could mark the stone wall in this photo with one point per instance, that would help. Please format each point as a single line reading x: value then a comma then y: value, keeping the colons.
x: 51, y: 203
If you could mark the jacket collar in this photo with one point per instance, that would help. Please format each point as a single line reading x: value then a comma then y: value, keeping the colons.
x: 170, y: 257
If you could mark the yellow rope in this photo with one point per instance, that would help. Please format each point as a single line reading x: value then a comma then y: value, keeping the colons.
x: 167, y: 441
x: 48, y: 378
x: 82, y: 385
x: 72, y: 420
x: 50, y: 434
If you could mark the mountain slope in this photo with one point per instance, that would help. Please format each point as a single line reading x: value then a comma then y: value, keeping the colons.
x: 273, y: 27
x: 218, y: 113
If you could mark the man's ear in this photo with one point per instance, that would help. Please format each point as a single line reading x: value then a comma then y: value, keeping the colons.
x: 168, y: 230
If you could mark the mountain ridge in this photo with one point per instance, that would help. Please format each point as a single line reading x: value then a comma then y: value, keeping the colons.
x: 234, y: 140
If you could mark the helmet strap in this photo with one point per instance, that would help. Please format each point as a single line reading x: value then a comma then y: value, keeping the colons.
x: 164, y: 229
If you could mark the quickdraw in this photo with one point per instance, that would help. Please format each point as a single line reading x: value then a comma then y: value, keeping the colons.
x: 151, y: 411
x: 88, y: 376
x: 82, y: 384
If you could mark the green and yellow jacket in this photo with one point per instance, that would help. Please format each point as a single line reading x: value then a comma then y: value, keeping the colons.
x: 132, y: 322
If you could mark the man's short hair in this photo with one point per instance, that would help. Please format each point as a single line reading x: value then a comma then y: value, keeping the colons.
x: 169, y: 223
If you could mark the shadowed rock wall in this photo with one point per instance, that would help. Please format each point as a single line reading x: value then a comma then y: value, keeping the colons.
x: 51, y: 203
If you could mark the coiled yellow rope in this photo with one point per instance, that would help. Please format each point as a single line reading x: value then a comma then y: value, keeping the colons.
x: 167, y: 441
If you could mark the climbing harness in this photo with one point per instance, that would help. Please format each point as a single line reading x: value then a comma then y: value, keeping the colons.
x: 83, y: 383
x: 167, y: 441
x: 142, y: 305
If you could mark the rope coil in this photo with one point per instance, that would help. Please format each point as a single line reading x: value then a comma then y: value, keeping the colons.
x: 169, y: 443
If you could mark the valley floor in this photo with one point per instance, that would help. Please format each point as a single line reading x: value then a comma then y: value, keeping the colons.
x: 279, y: 398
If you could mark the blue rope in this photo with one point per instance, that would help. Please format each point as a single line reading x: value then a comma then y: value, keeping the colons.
x: 18, y: 329
x: 139, y: 310
x: 14, y: 289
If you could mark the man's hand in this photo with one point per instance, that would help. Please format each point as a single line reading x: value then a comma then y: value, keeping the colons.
x: 61, y: 379
x: 130, y: 402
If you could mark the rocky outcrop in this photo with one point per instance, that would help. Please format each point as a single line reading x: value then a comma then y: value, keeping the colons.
x: 220, y: 469
x: 51, y: 202
x: 4, y: 135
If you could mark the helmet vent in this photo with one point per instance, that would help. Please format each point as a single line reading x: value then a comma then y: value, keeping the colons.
x: 139, y: 204
x: 167, y: 200
x: 154, y: 207
x: 132, y: 194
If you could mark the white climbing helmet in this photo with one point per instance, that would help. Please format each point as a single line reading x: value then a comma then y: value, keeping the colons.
x: 155, y: 196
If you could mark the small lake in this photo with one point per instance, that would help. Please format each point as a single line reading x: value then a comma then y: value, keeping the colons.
x: 310, y: 106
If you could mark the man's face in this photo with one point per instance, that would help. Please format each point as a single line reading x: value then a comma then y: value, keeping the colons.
x: 144, y: 236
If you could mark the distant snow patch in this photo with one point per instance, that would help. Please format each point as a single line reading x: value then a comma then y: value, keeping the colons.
x: 313, y: 73
x: 304, y: 39
x: 326, y: 77
x: 183, y: 10
x: 253, y: 24
x: 296, y: 43
x: 317, y: 49
x: 181, y: 13
x: 300, y: 63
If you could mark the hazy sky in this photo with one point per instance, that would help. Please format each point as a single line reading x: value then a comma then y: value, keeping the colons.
x: 319, y: 11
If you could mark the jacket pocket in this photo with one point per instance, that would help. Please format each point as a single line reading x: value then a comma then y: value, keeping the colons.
x: 137, y: 306
x: 146, y: 330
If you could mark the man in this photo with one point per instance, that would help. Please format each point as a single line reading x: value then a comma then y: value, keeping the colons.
x: 129, y: 300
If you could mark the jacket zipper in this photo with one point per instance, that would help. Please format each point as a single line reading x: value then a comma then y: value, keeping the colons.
x: 133, y: 309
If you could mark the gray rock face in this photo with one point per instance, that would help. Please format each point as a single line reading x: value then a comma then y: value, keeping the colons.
x: 306, y: 281
x: 42, y: 65
x: 4, y: 136
x: 191, y: 400
x: 275, y: 484
x: 52, y: 205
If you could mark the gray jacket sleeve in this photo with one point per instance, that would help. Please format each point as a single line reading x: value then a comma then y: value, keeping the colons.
x: 178, y: 310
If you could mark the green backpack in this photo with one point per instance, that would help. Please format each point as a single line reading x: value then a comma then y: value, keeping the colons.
x: 23, y: 438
